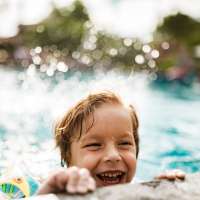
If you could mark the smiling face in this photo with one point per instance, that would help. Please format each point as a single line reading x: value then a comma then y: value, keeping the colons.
x: 108, y: 148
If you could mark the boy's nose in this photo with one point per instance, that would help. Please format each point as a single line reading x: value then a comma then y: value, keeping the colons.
x: 112, y: 154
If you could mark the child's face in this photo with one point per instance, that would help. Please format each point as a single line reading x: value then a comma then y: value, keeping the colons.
x: 108, y: 149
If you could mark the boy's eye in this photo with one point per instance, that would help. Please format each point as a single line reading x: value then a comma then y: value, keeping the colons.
x: 125, y: 143
x: 93, y: 145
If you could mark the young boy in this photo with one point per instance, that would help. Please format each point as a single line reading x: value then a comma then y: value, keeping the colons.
x: 99, y: 142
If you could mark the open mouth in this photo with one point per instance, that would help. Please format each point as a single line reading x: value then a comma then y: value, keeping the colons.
x: 111, y: 177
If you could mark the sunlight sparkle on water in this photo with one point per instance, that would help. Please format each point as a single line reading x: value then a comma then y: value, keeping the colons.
x: 113, y: 52
x: 155, y: 53
x: 128, y: 42
x: 165, y: 45
x: 139, y: 59
x: 146, y: 48
x: 61, y: 66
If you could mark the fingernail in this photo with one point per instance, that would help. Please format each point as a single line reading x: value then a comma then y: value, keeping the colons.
x: 82, y: 189
x: 92, y: 186
x: 181, y: 175
x: 71, y: 189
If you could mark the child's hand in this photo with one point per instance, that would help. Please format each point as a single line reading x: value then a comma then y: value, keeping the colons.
x: 71, y: 180
x: 172, y: 175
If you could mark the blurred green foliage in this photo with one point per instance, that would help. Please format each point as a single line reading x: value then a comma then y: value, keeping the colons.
x: 69, y: 35
x: 182, y: 32
x: 63, y: 28
x: 70, y: 30
x: 182, y: 28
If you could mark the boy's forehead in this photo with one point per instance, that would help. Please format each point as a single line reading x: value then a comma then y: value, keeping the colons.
x: 98, y: 116
x: 111, y: 109
x: 105, y: 114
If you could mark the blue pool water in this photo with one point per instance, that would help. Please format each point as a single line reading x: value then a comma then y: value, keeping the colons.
x: 30, y: 103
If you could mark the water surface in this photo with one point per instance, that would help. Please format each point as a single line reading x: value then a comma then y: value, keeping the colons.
x: 31, y: 102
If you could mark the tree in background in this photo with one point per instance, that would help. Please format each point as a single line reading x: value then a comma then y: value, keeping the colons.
x: 181, y: 61
x: 67, y: 40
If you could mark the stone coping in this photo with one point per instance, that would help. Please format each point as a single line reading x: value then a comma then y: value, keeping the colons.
x: 189, y: 189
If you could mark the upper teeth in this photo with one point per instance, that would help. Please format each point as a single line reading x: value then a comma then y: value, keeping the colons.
x: 114, y: 174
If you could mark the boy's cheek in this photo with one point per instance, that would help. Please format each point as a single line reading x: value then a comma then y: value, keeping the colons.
x: 87, y: 161
x: 131, y: 162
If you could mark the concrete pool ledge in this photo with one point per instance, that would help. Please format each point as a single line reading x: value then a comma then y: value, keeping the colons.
x: 160, y: 190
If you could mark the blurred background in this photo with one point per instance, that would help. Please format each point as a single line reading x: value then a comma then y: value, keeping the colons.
x: 53, y: 52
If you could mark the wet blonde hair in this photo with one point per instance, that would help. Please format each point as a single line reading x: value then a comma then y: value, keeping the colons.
x: 66, y: 128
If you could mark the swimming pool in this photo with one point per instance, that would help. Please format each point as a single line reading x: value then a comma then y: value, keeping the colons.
x: 30, y: 103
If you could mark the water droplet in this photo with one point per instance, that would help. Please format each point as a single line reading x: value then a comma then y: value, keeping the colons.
x: 128, y: 42
x: 92, y: 39
x: 155, y: 53
x: 32, y: 52
x: 38, y: 50
x: 31, y: 70
x: 139, y: 59
x: 113, y: 52
x: 146, y: 48
x: 43, y: 68
x: 57, y: 53
x: 40, y: 28
x: 76, y: 55
x: 61, y: 66
x: 89, y: 45
x: 165, y: 45
x: 151, y: 63
x: 86, y: 59
x: 36, y: 60
x: 50, y: 72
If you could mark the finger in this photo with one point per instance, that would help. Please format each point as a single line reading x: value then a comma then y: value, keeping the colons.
x: 55, y: 183
x: 84, y: 181
x: 161, y: 176
x: 171, y: 175
x: 73, y: 180
x: 92, y: 184
x: 89, y: 186
x: 177, y: 173
x: 180, y: 174
x: 166, y: 175
x: 61, y: 179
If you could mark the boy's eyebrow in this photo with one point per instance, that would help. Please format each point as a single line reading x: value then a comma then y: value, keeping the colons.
x: 127, y: 135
